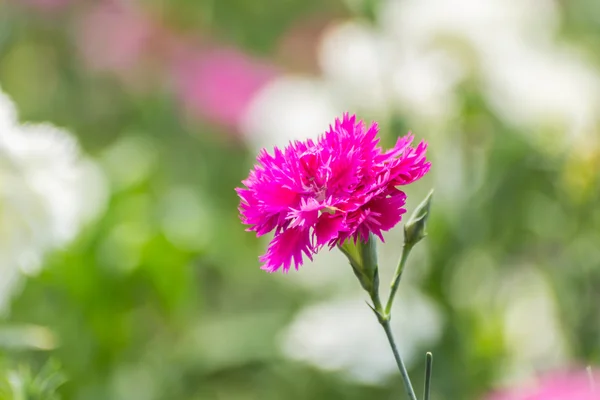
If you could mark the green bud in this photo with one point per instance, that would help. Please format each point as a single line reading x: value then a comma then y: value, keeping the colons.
x: 414, y: 229
x: 363, y: 259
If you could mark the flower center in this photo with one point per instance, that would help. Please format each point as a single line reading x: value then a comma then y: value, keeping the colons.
x: 309, y: 165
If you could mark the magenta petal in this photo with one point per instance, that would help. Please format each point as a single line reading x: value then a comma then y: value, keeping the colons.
x: 306, y: 216
x: 328, y: 228
x: 412, y: 166
x: 287, y: 247
x: 389, y: 210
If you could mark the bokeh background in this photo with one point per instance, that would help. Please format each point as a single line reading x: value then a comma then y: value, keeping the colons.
x: 137, y: 281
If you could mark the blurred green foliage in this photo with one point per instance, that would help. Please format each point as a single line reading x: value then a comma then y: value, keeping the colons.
x: 22, y: 384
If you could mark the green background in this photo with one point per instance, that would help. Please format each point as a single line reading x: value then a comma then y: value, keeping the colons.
x: 138, y: 317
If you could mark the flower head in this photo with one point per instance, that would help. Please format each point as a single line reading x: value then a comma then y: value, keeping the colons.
x: 315, y: 193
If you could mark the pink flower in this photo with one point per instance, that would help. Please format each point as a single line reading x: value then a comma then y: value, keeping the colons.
x: 219, y: 84
x: 317, y: 193
x: 114, y: 36
x: 559, y: 386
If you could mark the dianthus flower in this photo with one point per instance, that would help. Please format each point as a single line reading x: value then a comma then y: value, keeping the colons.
x: 315, y: 193
x: 572, y: 385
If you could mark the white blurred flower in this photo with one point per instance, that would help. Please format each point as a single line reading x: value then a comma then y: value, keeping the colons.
x: 423, y: 85
x: 372, y: 71
x: 522, y: 298
x: 527, y: 78
x: 482, y: 24
x: 357, y: 61
x: 533, y: 87
x: 532, y: 330
x: 413, y: 59
x: 289, y: 108
x: 344, y: 335
x: 46, y: 192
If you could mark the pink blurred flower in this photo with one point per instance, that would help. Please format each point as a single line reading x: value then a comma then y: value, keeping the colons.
x: 114, y: 37
x: 322, y: 193
x: 576, y: 385
x: 219, y: 84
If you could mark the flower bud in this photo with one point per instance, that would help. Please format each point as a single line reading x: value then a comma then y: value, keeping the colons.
x: 414, y: 229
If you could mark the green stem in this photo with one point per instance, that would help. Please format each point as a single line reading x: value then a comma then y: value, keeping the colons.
x: 397, y: 276
x: 428, y: 367
x: 407, y: 384
x: 377, y: 303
